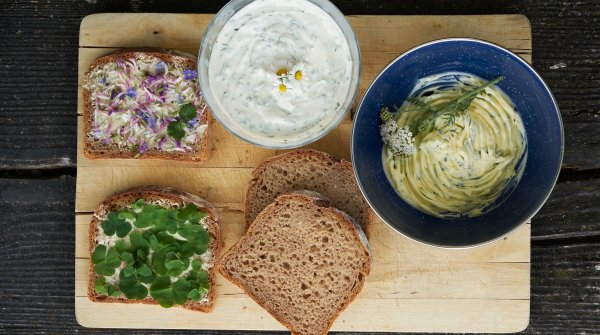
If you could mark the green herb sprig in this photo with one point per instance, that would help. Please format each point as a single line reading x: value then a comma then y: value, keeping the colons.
x: 176, y: 128
x: 151, y: 255
x: 450, y: 110
x: 400, y: 140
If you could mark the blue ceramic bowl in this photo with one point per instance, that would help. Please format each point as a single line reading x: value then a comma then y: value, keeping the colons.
x: 535, y: 104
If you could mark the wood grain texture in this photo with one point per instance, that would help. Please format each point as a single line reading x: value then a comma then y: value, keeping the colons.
x: 438, y: 290
x: 571, y: 212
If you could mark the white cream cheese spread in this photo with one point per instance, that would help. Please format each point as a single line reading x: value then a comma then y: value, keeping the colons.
x: 281, y: 69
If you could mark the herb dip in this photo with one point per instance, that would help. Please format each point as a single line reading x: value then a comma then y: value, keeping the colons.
x: 466, y: 167
x: 281, y: 69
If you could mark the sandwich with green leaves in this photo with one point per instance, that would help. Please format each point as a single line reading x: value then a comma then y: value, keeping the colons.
x: 154, y: 245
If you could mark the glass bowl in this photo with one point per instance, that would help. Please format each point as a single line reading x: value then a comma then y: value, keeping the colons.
x: 219, y: 111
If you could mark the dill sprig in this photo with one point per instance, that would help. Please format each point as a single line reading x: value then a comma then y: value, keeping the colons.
x: 449, y: 110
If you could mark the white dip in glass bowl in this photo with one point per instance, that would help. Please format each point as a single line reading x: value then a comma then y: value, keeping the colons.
x: 279, y: 74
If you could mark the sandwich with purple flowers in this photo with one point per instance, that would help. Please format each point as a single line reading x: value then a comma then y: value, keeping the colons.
x: 145, y: 103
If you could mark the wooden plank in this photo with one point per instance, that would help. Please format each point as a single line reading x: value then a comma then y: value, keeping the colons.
x: 571, y: 211
x: 415, y: 315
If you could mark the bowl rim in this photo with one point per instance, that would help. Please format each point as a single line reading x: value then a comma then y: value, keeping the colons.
x: 517, y: 58
x: 351, y: 96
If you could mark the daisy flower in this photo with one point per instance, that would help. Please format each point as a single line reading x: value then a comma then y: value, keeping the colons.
x: 299, y: 72
x: 283, y: 86
x: 281, y: 68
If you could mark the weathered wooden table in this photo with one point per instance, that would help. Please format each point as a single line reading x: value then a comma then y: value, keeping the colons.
x: 38, y: 87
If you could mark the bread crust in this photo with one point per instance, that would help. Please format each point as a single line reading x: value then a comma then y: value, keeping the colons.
x: 151, y: 193
x: 203, y: 145
x: 298, y: 154
x: 324, y: 204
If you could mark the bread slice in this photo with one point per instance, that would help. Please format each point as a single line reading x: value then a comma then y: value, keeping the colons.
x: 301, y: 260
x: 309, y: 170
x: 166, y: 198
x: 130, y: 98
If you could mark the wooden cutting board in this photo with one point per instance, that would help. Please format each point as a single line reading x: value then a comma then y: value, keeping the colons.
x: 412, y: 287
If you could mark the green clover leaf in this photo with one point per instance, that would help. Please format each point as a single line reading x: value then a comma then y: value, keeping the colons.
x: 161, y: 291
x: 187, y: 112
x: 138, y: 242
x: 137, y: 206
x: 100, y: 286
x: 191, y: 213
x: 154, y: 244
x: 121, y: 246
x: 181, y: 289
x: 160, y: 257
x: 114, y: 223
x: 176, y: 267
x: 165, y: 239
x: 126, y: 215
x: 194, y: 295
x: 145, y: 218
x: 131, y: 287
x: 105, y: 260
x: 128, y: 271
x: 112, y: 291
x: 109, y: 225
x: 127, y: 258
x: 175, y: 130
x: 144, y: 274
x: 144, y: 270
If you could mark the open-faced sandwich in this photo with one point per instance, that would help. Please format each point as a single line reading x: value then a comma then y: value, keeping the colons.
x: 154, y: 245
x: 145, y: 104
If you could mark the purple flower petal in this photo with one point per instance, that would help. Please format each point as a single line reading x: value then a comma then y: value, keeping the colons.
x: 143, y: 147
x: 161, y: 67
x: 189, y: 74
x: 131, y: 92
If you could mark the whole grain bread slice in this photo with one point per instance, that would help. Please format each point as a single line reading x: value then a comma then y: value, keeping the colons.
x: 165, y: 197
x: 302, y: 260
x: 95, y: 149
x: 309, y: 170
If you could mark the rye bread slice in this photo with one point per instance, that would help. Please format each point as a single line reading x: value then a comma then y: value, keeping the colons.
x: 302, y: 261
x: 95, y: 149
x: 167, y: 197
x: 308, y: 170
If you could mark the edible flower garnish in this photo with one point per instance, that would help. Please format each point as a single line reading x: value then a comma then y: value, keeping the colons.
x: 287, y: 76
x: 398, y: 139
x: 401, y: 140
x: 131, y: 92
x: 298, y: 72
x: 189, y: 74
x: 138, y: 103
